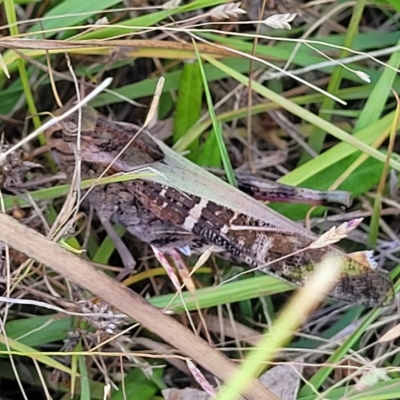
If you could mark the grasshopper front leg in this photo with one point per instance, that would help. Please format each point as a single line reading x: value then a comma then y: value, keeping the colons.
x: 105, y: 202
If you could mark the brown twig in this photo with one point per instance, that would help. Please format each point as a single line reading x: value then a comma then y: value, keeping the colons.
x: 41, y: 249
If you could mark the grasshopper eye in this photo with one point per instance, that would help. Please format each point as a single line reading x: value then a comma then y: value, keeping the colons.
x: 57, y: 134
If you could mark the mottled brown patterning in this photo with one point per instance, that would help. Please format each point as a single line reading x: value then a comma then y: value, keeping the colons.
x: 169, y: 219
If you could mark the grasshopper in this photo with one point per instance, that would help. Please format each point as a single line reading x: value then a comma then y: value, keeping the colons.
x: 184, y: 207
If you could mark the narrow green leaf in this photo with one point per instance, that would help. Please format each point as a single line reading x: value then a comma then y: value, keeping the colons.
x: 317, y: 137
x: 107, y: 247
x: 70, y: 13
x: 376, y: 214
x: 38, y: 330
x: 395, y: 4
x: 217, y: 127
x: 85, y: 378
x: 188, y: 106
x: 351, y: 143
x: 138, y: 385
x: 23, y: 350
x: 322, y: 374
x: 380, y: 93
x: 210, y: 155
x: 130, y: 26
x: 250, y: 288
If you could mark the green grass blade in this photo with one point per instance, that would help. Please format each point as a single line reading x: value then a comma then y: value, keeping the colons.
x: 317, y: 136
x: 188, y: 105
x: 9, y: 8
x: 85, y: 378
x: 217, y: 127
x: 70, y: 13
x: 379, y: 95
x: 240, y: 290
x: 354, y: 141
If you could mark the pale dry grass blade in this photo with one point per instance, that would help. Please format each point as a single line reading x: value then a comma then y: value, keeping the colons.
x: 392, y: 334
